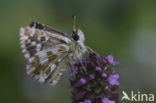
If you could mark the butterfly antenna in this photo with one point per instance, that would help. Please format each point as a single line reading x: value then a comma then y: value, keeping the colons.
x: 74, y: 21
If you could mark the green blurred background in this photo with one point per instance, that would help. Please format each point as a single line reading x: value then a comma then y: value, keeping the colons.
x: 124, y: 28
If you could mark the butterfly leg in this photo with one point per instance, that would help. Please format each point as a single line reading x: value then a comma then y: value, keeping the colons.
x: 83, y: 66
x: 89, y: 48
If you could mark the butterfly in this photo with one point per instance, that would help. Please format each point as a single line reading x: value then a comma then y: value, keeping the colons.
x: 50, y: 52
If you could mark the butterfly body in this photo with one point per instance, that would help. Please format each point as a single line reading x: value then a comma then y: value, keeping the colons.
x: 49, y: 52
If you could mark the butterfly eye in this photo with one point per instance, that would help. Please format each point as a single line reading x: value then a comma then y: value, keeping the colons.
x: 75, y: 36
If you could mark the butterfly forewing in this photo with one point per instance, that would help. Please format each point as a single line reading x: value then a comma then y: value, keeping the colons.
x: 46, y: 50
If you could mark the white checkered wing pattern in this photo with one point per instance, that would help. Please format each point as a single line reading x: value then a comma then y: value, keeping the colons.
x: 46, y: 50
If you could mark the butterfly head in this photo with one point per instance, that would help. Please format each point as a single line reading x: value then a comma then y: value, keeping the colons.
x: 78, y: 35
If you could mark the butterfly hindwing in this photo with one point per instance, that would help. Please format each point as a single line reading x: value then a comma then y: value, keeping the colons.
x: 46, y: 63
x: 58, y: 72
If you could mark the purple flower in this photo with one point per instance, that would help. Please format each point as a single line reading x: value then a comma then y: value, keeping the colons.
x: 75, y: 68
x: 111, y: 60
x: 95, y: 81
x: 113, y: 79
x: 92, y: 76
x: 72, y: 74
x: 83, y: 80
x: 104, y: 75
x: 86, y: 101
x: 106, y: 100
x: 98, y: 68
